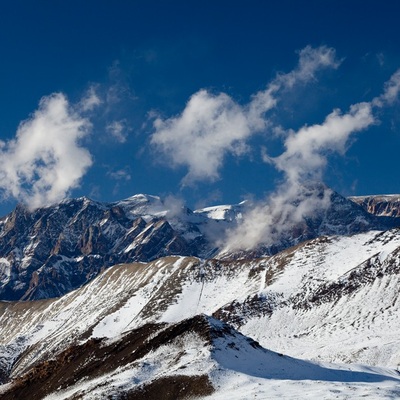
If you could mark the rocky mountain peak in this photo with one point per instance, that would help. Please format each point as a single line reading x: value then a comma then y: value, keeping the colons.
x: 55, y: 249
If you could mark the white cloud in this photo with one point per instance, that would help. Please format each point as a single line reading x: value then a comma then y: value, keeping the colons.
x: 303, y: 162
x: 311, y: 60
x: 45, y: 161
x: 268, y: 222
x: 212, y: 126
x: 118, y: 130
x: 306, y: 150
x: 175, y: 206
x: 121, y: 174
x: 91, y: 100
x: 391, y: 91
x: 208, y: 128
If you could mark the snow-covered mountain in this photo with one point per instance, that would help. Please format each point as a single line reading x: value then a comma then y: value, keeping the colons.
x: 200, y: 357
x: 188, y: 326
x: 148, y: 308
x: 50, y: 251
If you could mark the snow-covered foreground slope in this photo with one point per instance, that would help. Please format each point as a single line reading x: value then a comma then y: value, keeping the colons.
x: 343, y: 303
x: 200, y: 357
x: 332, y: 299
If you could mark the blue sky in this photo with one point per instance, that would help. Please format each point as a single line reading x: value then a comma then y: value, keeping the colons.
x: 206, y: 101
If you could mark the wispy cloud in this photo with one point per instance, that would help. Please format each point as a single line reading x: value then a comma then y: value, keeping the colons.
x: 45, y: 160
x: 109, y: 105
x: 118, y: 89
x: 120, y: 175
x: 306, y: 150
x: 214, y: 125
x: 391, y: 91
x: 119, y: 130
x: 91, y: 99
x: 303, y: 162
x: 311, y: 60
x: 120, y: 178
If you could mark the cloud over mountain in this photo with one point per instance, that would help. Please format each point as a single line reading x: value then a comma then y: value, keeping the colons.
x: 303, y: 161
x: 46, y: 160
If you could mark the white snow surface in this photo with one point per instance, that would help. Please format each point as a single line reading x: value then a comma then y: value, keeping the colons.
x: 223, y: 212
x: 239, y: 370
x: 144, y: 205
x: 357, y: 331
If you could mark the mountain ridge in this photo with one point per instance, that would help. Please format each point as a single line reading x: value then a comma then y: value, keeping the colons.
x: 49, y: 251
x: 381, y: 205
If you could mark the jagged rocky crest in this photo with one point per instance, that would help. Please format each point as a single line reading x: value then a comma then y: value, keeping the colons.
x: 50, y: 251
x: 381, y: 205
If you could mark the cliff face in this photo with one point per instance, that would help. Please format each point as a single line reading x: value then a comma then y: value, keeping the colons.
x: 53, y: 250
x: 386, y: 205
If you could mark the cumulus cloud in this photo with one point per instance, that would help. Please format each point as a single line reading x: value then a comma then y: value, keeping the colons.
x: 214, y: 125
x: 45, y: 160
x: 208, y: 128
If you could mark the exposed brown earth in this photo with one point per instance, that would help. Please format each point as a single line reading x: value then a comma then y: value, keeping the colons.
x: 173, y: 388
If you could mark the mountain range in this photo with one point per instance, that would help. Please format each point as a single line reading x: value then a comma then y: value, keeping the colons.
x: 135, y: 300
x: 50, y: 251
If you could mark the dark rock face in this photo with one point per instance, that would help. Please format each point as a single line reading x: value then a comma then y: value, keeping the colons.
x: 344, y: 217
x: 237, y: 313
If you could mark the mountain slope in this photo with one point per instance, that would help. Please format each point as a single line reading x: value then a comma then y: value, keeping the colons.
x: 163, y: 361
x: 331, y: 299
x: 50, y: 251
x: 53, y: 250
